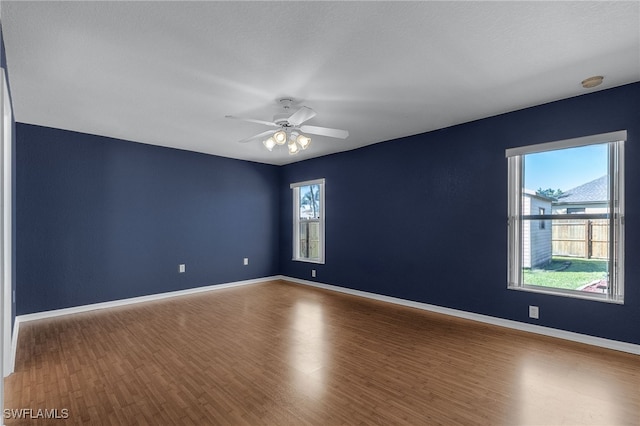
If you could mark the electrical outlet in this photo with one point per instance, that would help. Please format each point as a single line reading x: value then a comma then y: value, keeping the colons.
x: 313, y: 273
x: 246, y: 261
x: 534, y: 312
x: 182, y: 268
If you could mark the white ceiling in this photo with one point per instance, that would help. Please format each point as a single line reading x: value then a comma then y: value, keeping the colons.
x: 166, y: 73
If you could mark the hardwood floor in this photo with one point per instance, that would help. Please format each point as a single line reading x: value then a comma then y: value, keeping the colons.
x: 280, y: 353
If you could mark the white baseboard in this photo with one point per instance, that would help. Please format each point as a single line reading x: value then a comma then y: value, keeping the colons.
x: 14, y: 346
x: 121, y: 302
x: 531, y: 328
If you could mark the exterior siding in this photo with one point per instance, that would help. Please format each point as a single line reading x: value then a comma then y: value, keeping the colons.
x: 537, y: 246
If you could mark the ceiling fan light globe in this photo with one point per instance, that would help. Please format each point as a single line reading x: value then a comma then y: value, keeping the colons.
x: 293, y: 148
x: 269, y: 143
x: 280, y: 137
x: 304, y: 141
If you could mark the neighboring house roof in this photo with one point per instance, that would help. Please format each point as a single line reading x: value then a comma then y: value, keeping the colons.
x: 590, y: 192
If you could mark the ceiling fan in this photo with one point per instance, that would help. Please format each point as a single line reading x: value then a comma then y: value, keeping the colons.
x: 289, y: 128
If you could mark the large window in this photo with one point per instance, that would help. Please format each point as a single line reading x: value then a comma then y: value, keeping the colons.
x: 308, y: 221
x: 566, y: 217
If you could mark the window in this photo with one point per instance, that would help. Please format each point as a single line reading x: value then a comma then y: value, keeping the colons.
x: 572, y: 210
x: 308, y: 221
x: 568, y: 239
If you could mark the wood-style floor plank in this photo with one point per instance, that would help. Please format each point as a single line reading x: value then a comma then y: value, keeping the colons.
x: 278, y: 353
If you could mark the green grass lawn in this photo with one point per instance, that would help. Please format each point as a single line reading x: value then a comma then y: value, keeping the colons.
x: 567, y: 272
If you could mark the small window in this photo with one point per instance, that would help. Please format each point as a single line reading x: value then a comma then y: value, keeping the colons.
x: 308, y: 221
x: 570, y: 240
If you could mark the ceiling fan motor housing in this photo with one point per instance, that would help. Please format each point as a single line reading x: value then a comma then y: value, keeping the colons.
x: 282, y: 119
x: 289, y: 125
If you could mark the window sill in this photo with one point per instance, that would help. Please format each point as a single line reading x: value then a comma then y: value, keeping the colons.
x: 567, y: 293
x: 319, y: 262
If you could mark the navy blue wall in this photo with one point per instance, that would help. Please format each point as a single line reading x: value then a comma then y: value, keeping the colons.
x: 424, y: 218
x: 101, y: 219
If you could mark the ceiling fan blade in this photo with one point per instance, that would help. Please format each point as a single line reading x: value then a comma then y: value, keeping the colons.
x: 325, y: 131
x: 252, y: 120
x: 301, y: 115
x: 258, y: 136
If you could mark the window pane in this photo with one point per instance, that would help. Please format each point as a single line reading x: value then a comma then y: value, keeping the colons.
x: 577, y: 258
x: 310, y: 202
x: 568, y: 254
x: 310, y: 240
x: 304, y: 239
x: 571, y: 180
x: 308, y: 221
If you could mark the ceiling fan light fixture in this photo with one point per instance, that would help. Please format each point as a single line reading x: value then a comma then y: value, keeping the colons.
x: 269, y: 143
x: 280, y: 137
x: 293, y: 148
x: 289, y: 127
x: 303, y: 141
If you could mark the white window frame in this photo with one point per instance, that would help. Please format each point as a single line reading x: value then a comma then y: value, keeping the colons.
x: 297, y: 221
x: 615, y: 140
x: 3, y: 239
x: 6, y: 115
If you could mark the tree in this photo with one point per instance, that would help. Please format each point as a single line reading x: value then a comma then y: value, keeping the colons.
x: 550, y: 193
x: 312, y: 199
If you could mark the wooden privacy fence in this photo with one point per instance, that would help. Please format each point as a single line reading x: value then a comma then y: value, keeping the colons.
x: 309, y: 239
x: 587, y: 238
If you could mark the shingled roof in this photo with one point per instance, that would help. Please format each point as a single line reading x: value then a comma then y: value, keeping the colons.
x: 595, y: 191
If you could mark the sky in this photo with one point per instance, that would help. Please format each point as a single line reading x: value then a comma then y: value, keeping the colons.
x: 565, y: 169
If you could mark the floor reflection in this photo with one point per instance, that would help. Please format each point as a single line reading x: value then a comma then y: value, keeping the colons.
x: 308, y: 349
x: 568, y: 394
